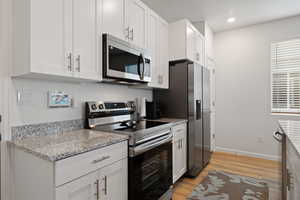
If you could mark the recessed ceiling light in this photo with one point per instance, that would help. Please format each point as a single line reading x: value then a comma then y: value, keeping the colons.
x: 231, y: 20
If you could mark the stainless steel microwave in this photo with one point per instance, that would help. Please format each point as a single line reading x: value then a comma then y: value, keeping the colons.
x: 124, y: 61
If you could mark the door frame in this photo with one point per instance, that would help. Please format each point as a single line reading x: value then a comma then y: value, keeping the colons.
x: 6, y: 17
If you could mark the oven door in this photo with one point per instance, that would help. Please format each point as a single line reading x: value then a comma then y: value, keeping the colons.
x: 150, y: 173
x: 121, y: 60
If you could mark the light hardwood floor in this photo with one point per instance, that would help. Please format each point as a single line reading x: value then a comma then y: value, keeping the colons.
x: 241, y: 165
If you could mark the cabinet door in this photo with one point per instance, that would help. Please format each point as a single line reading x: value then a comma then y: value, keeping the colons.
x: 84, y: 39
x: 113, y: 18
x: 84, y: 188
x: 200, y: 51
x: 163, y: 56
x: 184, y: 154
x: 152, y: 34
x: 113, y: 181
x: 49, y: 30
x: 179, y: 152
x: 176, y: 158
x: 137, y: 13
x: 190, y: 43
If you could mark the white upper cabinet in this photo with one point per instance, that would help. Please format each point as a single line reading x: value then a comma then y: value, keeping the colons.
x: 113, y: 18
x: 39, y: 38
x: 136, y: 15
x: 190, y: 42
x: 55, y: 37
x: 63, y: 38
x: 163, y: 55
x: 200, y: 49
x: 186, y: 42
x: 84, y: 39
x: 157, y: 43
x: 125, y: 19
x: 152, y: 38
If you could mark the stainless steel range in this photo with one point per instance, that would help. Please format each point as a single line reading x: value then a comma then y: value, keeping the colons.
x: 150, y: 147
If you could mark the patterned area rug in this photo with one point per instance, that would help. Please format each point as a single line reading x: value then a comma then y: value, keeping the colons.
x: 219, y: 185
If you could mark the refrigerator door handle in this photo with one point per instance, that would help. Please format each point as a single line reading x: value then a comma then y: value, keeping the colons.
x: 198, y: 109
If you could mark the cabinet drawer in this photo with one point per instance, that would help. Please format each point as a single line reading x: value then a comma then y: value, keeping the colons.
x: 71, y: 168
x: 179, y: 131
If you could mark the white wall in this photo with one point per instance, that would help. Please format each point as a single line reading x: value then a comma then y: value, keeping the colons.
x: 33, y: 107
x: 243, y: 120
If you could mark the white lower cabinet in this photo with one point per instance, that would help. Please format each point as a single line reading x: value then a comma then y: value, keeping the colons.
x: 179, y: 151
x: 84, y: 188
x: 108, y: 183
x: 94, y: 175
x: 113, y: 181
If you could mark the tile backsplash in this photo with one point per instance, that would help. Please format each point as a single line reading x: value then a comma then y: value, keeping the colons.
x: 42, y: 129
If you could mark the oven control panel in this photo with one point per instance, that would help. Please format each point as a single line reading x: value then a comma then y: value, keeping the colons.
x: 100, y: 106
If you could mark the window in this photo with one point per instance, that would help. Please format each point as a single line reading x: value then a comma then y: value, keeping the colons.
x: 285, y: 74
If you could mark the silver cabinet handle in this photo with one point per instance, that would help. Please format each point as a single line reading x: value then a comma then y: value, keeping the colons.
x: 97, y: 189
x: 127, y: 31
x: 78, y: 63
x: 105, y: 185
x: 69, y: 57
x: 100, y: 159
x: 131, y: 31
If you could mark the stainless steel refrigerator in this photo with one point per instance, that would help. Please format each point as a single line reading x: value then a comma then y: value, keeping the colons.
x: 188, y: 97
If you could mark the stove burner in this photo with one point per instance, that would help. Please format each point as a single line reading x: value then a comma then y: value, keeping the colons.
x: 144, y: 124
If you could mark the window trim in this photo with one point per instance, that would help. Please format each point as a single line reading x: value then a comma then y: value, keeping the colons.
x: 288, y: 110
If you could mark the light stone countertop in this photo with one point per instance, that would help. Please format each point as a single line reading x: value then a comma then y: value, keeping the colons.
x: 63, y: 145
x: 292, y: 130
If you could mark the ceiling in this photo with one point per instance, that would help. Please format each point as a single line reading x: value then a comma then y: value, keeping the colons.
x: 216, y: 12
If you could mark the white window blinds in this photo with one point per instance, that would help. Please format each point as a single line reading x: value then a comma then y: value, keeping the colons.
x: 285, y: 74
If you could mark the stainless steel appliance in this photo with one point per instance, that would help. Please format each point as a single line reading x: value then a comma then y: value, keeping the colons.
x: 188, y: 97
x: 124, y: 61
x: 150, y: 147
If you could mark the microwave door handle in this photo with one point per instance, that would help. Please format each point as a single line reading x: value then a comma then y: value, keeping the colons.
x: 139, y: 67
x: 141, y: 73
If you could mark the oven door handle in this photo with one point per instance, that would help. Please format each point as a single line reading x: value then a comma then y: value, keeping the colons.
x: 150, y: 145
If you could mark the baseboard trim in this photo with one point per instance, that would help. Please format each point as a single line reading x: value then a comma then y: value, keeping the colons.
x: 246, y: 153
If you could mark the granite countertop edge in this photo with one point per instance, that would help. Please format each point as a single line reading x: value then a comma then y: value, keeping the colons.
x: 61, y: 156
